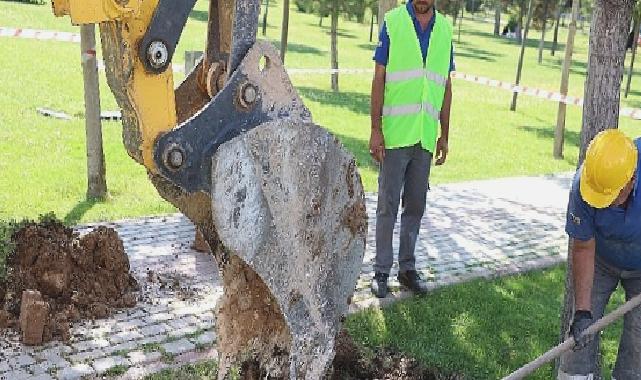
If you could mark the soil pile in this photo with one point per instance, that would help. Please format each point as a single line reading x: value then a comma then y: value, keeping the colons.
x: 77, y: 277
x: 350, y: 363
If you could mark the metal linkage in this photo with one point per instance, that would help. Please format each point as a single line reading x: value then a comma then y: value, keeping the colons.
x: 253, y: 95
x: 157, y: 48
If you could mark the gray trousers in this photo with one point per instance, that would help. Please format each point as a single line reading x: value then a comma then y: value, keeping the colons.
x: 581, y: 364
x: 407, y: 170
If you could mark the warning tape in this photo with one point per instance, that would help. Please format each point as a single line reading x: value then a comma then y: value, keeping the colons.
x: 633, y: 113
x: 35, y: 34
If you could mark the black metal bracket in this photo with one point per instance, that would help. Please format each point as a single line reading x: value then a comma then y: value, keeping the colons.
x: 158, y: 45
x: 259, y: 91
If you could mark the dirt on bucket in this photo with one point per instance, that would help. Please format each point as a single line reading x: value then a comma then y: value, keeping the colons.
x: 75, y: 277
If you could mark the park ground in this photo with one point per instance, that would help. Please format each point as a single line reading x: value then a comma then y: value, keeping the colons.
x: 42, y: 167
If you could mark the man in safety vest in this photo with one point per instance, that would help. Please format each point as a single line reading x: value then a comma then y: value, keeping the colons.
x: 604, y: 223
x: 411, y: 96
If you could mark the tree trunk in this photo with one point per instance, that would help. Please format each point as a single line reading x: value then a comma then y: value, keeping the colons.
x: 334, y: 34
x: 383, y: 7
x: 519, y: 27
x: 265, y: 18
x: 559, y: 132
x: 284, y: 30
x: 556, y: 26
x: 635, y: 44
x: 608, y: 36
x: 545, y: 20
x: 96, y: 176
x: 520, y: 66
x: 497, y: 18
x: 460, y: 21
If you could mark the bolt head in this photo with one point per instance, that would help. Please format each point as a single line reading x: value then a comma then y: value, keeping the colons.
x: 249, y: 94
x: 157, y: 54
x: 175, y: 158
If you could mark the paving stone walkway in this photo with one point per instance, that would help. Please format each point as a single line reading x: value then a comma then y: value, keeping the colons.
x: 478, y: 229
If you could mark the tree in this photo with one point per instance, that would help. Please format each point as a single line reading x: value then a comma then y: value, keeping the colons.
x: 383, y: 7
x: 543, y: 20
x: 284, y: 30
x: 498, y: 6
x: 559, y: 9
x: 608, y: 35
x: 520, y: 65
x: 635, y: 43
x: 450, y: 8
x: 559, y: 131
x: 96, y: 178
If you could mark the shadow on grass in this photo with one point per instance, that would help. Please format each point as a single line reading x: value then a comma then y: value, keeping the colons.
x: 198, y: 15
x: 354, y: 101
x: 532, y: 40
x: 572, y: 138
x: 303, y: 49
x: 465, y: 49
x: 79, y: 210
x: 360, y: 149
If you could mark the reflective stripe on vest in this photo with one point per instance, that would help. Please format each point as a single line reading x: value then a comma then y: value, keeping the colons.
x: 408, y: 109
x: 400, y: 76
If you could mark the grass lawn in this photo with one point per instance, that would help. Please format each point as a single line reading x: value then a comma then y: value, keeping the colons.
x: 482, y: 330
x: 42, y: 160
x: 42, y: 168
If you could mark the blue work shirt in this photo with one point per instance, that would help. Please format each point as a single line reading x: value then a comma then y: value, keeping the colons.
x: 381, y: 54
x: 616, y: 229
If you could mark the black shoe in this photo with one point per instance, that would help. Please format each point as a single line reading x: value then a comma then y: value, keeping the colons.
x: 411, y: 280
x: 379, y: 285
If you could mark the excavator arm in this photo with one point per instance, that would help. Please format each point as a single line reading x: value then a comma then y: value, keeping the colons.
x: 277, y: 198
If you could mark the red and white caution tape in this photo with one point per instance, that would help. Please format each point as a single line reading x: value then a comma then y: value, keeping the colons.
x: 35, y: 34
x: 178, y: 68
x: 633, y: 113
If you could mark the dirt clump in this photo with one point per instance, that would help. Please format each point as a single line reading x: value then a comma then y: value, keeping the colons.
x: 351, y: 363
x: 65, y: 277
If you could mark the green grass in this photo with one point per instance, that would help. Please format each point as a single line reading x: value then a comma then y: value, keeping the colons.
x: 200, y: 371
x: 115, y: 371
x: 42, y: 161
x: 482, y: 329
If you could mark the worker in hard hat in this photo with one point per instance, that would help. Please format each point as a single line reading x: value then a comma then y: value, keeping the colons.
x: 604, y: 224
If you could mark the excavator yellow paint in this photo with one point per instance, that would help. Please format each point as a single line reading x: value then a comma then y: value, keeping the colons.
x: 151, y: 94
x: 92, y: 11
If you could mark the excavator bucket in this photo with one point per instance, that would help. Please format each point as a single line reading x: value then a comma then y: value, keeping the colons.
x: 277, y: 198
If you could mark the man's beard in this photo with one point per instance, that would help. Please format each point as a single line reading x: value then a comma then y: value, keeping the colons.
x: 421, y: 7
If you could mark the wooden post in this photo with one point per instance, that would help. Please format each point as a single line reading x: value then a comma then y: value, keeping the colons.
x: 635, y: 43
x: 265, y: 18
x: 96, y: 181
x: 520, y: 66
x: 559, y: 131
x: 191, y: 59
x: 284, y: 31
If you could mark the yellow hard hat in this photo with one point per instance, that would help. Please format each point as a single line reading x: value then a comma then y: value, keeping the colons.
x: 610, y: 162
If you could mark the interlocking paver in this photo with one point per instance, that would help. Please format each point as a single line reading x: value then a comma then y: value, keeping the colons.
x: 75, y: 372
x: 15, y: 375
x: 479, y: 229
x: 104, y: 364
x: 178, y: 347
x: 141, y: 357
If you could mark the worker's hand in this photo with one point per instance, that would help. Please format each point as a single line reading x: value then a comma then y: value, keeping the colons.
x: 441, y: 150
x: 582, y: 320
x: 377, y: 145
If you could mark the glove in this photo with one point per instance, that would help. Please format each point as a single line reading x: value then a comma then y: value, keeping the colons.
x: 582, y: 320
